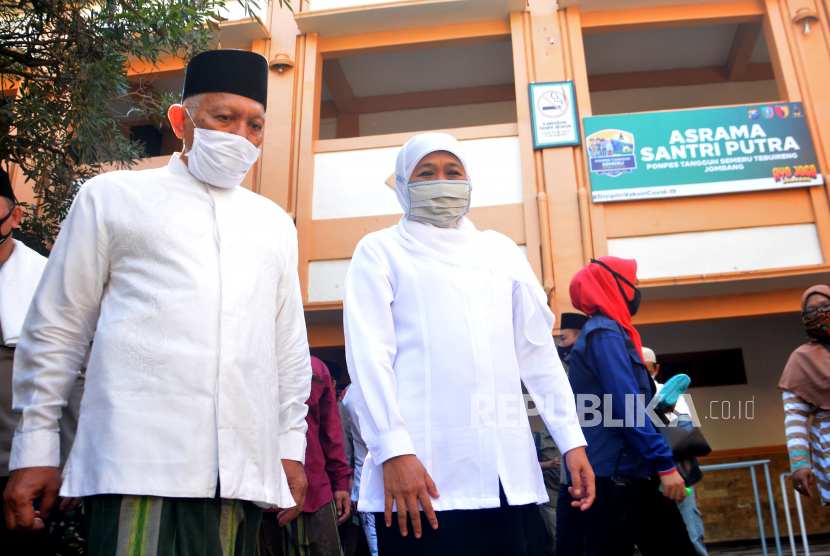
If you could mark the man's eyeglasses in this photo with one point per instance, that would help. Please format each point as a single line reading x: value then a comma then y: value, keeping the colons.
x: 810, y: 312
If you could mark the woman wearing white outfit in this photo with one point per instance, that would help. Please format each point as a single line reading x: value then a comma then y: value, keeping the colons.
x: 443, y: 323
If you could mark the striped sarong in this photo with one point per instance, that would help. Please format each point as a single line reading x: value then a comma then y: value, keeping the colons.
x: 809, y: 448
x: 122, y: 525
x: 309, y: 534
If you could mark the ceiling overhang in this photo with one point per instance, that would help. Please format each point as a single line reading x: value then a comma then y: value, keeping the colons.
x: 240, y: 33
x: 750, y: 282
x: 404, y: 15
x: 606, y: 5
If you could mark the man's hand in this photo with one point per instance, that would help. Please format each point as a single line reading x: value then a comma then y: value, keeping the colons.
x: 69, y: 504
x: 343, y: 503
x: 297, y: 483
x: 674, y: 487
x: 803, y: 479
x: 26, y: 485
x: 582, y: 477
x: 554, y: 463
x: 406, y: 482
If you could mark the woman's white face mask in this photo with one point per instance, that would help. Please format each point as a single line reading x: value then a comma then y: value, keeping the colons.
x: 441, y: 203
x: 219, y: 158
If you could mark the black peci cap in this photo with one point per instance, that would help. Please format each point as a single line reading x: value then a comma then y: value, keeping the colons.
x: 573, y: 321
x: 237, y: 72
x: 6, y: 186
x: 335, y: 370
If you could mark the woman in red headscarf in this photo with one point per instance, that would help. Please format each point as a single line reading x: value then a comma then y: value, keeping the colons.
x: 629, y: 457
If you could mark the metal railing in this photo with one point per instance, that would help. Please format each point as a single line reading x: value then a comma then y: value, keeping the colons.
x: 752, y: 465
x: 784, y: 495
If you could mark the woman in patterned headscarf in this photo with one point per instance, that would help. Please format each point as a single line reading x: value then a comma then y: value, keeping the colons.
x: 806, y: 389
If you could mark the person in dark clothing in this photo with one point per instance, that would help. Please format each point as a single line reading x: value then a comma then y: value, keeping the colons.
x: 629, y: 456
x: 569, y: 331
x: 327, y: 504
x: 688, y: 508
x: 20, y: 272
x: 550, y: 458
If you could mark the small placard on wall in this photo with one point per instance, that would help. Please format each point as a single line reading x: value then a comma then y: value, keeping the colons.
x: 553, y: 115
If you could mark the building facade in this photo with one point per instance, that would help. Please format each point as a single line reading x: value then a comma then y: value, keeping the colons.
x: 721, y: 274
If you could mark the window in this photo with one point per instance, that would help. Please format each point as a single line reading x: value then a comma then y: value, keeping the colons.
x: 679, y: 67
x: 333, y: 356
x: 155, y: 135
x: 149, y: 137
x: 706, y: 368
x: 6, y: 107
x: 418, y: 90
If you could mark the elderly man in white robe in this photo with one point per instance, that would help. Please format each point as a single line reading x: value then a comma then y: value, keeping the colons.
x: 443, y: 323
x: 193, y: 417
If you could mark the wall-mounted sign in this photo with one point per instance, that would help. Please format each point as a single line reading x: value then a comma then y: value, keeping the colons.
x: 553, y: 111
x: 700, y: 152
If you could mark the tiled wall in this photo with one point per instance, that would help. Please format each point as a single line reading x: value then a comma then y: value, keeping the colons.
x: 726, y: 501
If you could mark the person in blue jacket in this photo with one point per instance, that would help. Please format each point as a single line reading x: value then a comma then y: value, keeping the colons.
x: 632, y: 462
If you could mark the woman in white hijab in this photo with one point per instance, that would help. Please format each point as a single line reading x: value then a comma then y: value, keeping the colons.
x: 443, y: 323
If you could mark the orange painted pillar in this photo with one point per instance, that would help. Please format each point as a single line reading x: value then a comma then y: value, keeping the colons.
x: 275, y: 165
x: 812, y: 67
x: 557, y: 168
x: 802, y: 64
x: 523, y: 75
x: 309, y: 133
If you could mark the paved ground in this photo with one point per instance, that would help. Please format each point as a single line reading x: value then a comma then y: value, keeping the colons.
x: 816, y: 549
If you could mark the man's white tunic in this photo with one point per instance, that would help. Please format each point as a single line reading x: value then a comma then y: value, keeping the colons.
x: 19, y: 278
x: 437, y: 343
x: 200, y: 368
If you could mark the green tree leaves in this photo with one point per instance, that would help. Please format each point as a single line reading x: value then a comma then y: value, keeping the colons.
x: 68, y: 60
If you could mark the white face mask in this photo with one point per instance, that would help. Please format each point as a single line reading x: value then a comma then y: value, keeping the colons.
x: 219, y: 158
x: 441, y: 203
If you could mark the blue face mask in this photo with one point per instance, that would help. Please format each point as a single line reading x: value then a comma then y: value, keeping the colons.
x: 564, y: 352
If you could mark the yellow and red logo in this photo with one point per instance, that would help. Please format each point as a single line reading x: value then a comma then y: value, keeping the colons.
x: 786, y: 174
